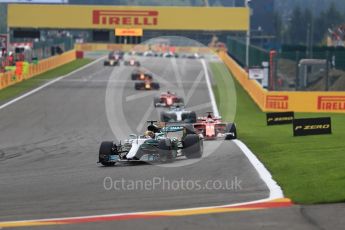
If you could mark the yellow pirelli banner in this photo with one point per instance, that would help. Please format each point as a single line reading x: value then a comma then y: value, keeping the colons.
x: 315, y: 102
x: 110, y: 17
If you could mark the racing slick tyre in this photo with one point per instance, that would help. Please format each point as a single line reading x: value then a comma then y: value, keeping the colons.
x: 156, y: 101
x: 155, y: 85
x: 192, y: 146
x: 189, y: 117
x: 168, y: 117
x: 180, y: 101
x: 193, y: 117
x: 106, y: 63
x: 134, y: 77
x: 138, y: 86
x: 165, y: 150
x: 231, y: 128
x: 105, y: 151
x: 189, y: 129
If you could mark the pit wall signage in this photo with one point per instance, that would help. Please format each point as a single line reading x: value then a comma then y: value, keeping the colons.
x: 312, y: 126
x: 111, y: 17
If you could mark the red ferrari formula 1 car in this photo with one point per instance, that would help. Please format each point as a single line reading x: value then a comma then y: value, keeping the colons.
x: 168, y: 99
x: 212, y: 128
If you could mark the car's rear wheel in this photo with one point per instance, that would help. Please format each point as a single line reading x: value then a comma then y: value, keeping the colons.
x: 231, y: 128
x: 156, y: 101
x: 155, y: 85
x: 165, y: 150
x: 181, y: 101
x: 168, y: 117
x: 189, y: 129
x: 138, y: 86
x: 189, y: 117
x: 105, y: 151
x: 134, y: 77
x: 192, y: 146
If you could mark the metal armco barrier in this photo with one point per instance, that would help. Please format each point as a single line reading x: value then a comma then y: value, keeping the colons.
x: 269, y: 101
x: 9, y: 78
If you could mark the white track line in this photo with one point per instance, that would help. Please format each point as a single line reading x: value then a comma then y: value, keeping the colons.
x: 210, y: 90
x: 275, y: 190
x: 47, y: 84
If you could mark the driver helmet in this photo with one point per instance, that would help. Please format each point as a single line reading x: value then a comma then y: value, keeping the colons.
x: 149, y: 134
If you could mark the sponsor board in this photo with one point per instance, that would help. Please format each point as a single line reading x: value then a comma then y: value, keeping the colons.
x: 125, y: 17
x: 137, y: 32
x: 277, y: 102
x: 111, y: 17
x: 256, y: 73
x: 312, y: 126
x: 331, y: 103
x: 280, y: 118
x: 22, y: 44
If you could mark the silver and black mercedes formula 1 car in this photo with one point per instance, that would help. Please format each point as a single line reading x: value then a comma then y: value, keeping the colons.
x: 166, y: 144
x: 178, y: 114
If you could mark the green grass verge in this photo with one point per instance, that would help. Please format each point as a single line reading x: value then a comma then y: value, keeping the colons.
x: 309, y: 169
x: 24, y: 86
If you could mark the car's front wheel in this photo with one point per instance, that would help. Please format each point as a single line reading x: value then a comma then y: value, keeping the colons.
x: 192, y: 146
x: 231, y: 129
x: 165, y: 150
x: 105, y: 151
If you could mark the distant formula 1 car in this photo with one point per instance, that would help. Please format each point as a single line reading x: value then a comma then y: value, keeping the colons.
x: 178, y: 114
x: 194, y: 56
x: 147, y: 84
x: 132, y: 62
x: 168, y: 99
x: 113, y: 59
x: 163, y: 145
x: 170, y: 55
x: 140, y: 75
x: 211, y: 128
x: 150, y: 53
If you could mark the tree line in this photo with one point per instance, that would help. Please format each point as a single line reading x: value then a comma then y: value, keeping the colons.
x: 304, y: 25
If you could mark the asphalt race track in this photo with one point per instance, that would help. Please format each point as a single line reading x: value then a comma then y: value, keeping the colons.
x: 49, y: 144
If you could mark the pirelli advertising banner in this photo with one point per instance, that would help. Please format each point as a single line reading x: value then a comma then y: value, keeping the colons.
x: 110, y: 17
x: 333, y: 102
